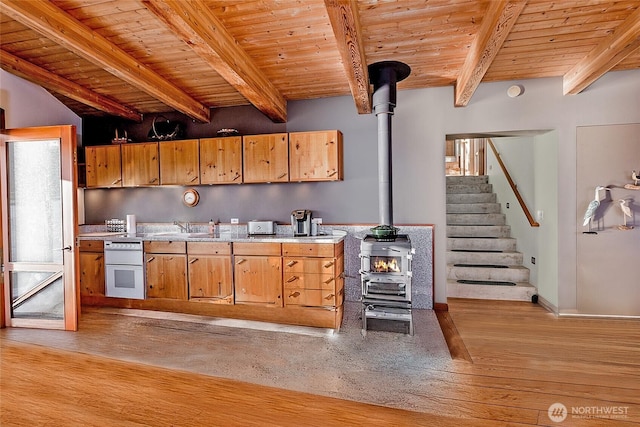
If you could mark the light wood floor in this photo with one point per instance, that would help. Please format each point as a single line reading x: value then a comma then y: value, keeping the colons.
x: 522, y: 360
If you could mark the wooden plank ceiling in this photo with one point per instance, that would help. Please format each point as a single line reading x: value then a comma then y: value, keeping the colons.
x: 128, y: 58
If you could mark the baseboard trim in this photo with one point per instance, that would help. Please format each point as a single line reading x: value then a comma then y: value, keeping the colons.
x: 547, y: 305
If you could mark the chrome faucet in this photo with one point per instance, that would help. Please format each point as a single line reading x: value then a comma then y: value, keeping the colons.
x: 184, y: 228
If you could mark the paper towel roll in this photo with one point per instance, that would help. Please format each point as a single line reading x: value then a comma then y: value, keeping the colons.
x: 131, y: 224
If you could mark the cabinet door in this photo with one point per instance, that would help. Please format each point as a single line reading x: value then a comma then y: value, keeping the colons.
x: 315, y: 156
x: 221, y: 160
x: 266, y: 158
x: 92, y: 273
x: 179, y: 162
x: 210, y: 277
x: 166, y: 276
x: 140, y: 164
x: 258, y: 280
x: 103, y: 165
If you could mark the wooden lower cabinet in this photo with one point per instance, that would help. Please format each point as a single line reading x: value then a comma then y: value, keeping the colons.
x: 166, y: 270
x: 92, y: 278
x: 313, y: 275
x: 209, y: 270
x: 258, y: 273
x: 289, y: 283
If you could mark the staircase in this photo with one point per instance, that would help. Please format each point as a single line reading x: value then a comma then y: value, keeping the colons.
x: 482, y: 261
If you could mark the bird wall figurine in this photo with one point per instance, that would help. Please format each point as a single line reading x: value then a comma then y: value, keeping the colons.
x: 636, y: 181
x: 592, y: 208
x: 626, y: 212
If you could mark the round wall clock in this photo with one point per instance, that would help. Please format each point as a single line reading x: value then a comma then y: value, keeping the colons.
x: 190, y: 197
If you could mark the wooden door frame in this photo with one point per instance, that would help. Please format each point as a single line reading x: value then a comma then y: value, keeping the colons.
x: 69, y: 180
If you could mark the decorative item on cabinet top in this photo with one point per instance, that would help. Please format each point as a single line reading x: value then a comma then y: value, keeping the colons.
x: 301, y: 157
x: 165, y: 130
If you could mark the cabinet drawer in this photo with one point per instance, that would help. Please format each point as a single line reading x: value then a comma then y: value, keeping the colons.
x: 266, y: 249
x: 309, y: 281
x: 165, y: 247
x: 209, y: 248
x: 310, y: 297
x: 91, y: 245
x: 310, y: 249
x: 310, y: 266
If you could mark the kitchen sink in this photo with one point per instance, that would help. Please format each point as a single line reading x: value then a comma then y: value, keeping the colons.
x: 178, y: 235
x: 200, y: 235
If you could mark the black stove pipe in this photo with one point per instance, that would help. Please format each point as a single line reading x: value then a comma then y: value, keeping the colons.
x: 384, y: 76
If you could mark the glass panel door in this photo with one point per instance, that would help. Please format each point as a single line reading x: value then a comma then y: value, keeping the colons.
x: 39, y: 254
x: 35, y: 229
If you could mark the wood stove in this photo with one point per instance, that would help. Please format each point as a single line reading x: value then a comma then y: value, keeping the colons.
x: 385, y: 255
x: 385, y: 274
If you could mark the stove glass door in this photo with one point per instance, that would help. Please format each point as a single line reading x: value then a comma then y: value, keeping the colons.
x: 386, y: 264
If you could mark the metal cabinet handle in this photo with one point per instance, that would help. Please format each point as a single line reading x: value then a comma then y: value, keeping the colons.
x: 294, y: 294
x: 291, y: 263
x: 193, y: 179
x: 292, y: 279
x: 116, y: 181
x: 153, y: 180
x: 151, y: 259
x: 326, y: 282
x: 329, y: 297
x: 282, y: 175
x: 193, y: 260
x: 240, y: 261
x: 329, y: 264
x: 332, y: 173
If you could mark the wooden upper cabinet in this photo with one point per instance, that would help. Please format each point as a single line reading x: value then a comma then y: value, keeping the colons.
x: 266, y: 158
x: 221, y: 160
x: 140, y: 164
x: 103, y: 165
x: 179, y: 162
x: 315, y: 156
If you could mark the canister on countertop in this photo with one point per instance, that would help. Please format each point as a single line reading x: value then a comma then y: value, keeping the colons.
x: 131, y: 224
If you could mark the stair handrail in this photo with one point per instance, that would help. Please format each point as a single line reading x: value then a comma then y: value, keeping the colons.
x: 513, y: 185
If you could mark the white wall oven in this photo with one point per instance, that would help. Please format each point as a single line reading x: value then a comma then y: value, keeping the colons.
x: 124, y: 269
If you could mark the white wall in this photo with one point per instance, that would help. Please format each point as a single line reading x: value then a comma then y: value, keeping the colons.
x: 545, y: 158
x: 517, y: 154
x: 607, y: 267
x: 423, y: 118
x: 28, y: 105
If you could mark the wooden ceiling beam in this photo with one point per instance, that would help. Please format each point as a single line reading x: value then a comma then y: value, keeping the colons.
x: 346, y: 27
x: 194, y: 22
x: 62, y: 28
x: 496, y: 25
x: 624, y: 40
x: 55, y: 83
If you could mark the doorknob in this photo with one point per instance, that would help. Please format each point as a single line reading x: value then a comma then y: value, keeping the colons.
x: 66, y: 248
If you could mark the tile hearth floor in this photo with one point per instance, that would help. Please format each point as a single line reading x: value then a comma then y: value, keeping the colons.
x: 384, y: 368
